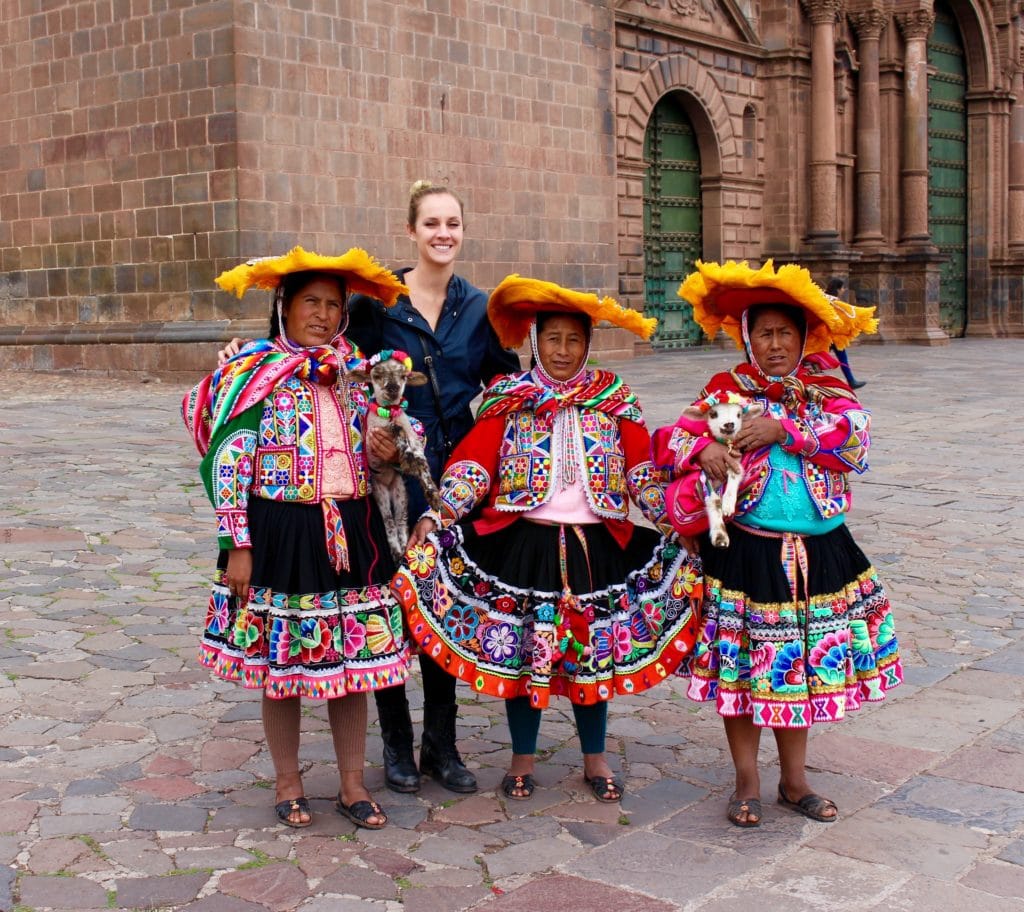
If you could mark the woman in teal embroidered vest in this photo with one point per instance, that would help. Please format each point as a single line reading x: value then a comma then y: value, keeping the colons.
x: 538, y: 584
x: 796, y: 627
x: 300, y: 605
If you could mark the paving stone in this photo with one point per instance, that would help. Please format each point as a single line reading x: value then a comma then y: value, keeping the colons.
x: 318, y: 856
x: 957, y: 803
x: 162, y: 817
x: 218, y: 902
x: 986, y: 765
x: 919, y: 893
x: 77, y: 824
x: 335, y: 903
x: 443, y: 850
x: 277, y: 886
x: 150, y: 892
x: 659, y: 800
x: 539, y: 855
x: 450, y: 899
x: 7, y: 878
x: 349, y: 880
x: 217, y: 858
x: 868, y: 836
x: 998, y: 878
x: 523, y: 829
x: 393, y: 864
x: 75, y: 893
x: 572, y: 894
x: 1014, y: 852
x: 650, y: 863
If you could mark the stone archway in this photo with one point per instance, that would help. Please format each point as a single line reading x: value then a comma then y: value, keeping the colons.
x: 720, y: 144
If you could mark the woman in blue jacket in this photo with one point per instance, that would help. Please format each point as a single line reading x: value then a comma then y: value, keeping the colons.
x: 442, y: 325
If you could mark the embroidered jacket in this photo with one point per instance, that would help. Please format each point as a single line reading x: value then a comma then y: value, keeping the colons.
x: 275, y: 450
x: 831, y: 438
x: 505, y: 465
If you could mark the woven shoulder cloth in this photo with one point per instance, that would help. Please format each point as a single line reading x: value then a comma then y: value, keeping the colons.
x: 599, y: 390
x: 252, y: 374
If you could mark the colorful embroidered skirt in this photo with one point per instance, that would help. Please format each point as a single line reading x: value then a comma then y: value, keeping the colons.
x: 309, y: 630
x: 493, y: 611
x: 792, y: 661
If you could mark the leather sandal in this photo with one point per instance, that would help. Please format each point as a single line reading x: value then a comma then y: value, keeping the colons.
x: 606, y: 788
x: 744, y: 812
x: 812, y: 806
x: 511, y: 784
x: 285, y: 809
x: 360, y: 812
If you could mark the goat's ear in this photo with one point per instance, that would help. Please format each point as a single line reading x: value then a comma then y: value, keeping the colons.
x: 416, y: 378
x: 359, y: 376
x: 691, y: 411
x: 753, y: 410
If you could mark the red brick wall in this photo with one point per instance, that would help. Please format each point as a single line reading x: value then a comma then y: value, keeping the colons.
x: 150, y: 143
x: 117, y: 159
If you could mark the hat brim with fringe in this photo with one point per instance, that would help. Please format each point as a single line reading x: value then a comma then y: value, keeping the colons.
x: 361, y: 272
x: 515, y: 303
x: 720, y: 293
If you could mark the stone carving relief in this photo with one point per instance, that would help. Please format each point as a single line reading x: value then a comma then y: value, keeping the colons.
x: 704, y: 9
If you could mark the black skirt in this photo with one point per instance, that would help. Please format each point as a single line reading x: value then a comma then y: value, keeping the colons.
x: 308, y: 629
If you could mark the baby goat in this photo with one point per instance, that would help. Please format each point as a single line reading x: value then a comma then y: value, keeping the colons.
x: 388, y: 373
x: 724, y: 414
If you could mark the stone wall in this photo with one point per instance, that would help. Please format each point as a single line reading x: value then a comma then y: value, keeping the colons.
x: 167, y: 139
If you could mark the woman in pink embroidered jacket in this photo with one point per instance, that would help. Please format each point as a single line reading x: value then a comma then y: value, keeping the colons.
x: 300, y: 605
x: 538, y: 584
x: 796, y: 627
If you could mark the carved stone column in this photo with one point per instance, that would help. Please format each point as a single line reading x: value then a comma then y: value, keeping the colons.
x: 915, y: 25
x: 869, y: 25
x: 1015, y: 205
x: 822, y: 135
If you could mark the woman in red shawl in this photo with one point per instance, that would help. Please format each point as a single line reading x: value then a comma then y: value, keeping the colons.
x: 537, y: 584
x: 796, y: 628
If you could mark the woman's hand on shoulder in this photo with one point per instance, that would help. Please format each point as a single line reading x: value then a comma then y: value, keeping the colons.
x: 229, y: 351
x: 716, y: 462
x: 760, y: 432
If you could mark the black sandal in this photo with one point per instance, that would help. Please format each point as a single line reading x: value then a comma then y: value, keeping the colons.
x: 812, y: 806
x: 750, y: 807
x: 360, y: 812
x: 606, y: 788
x: 512, y: 784
x: 290, y: 806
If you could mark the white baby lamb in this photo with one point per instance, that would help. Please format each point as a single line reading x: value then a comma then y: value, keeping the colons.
x: 724, y: 420
x: 388, y: 374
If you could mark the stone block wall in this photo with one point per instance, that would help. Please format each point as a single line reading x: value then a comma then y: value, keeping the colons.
x: 151, y: 143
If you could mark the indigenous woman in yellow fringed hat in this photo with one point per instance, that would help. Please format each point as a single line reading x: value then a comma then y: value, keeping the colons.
x: 796, y: 627
x: 537, y: 583
x: 300, y: 604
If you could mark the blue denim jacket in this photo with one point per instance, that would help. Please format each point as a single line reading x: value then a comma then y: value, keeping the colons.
x: 466, y: 355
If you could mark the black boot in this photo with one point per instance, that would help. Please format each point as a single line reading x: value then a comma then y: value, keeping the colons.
x: 400, y: 773
x: 439, y: 757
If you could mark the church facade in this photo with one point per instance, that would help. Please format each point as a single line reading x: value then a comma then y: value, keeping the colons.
x: 145, y: 145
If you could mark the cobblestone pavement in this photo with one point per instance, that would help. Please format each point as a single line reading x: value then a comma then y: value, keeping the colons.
x: 131, y: 780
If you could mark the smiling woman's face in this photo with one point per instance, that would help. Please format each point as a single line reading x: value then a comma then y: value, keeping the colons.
x: 775, y: 342
x: 562, y: 346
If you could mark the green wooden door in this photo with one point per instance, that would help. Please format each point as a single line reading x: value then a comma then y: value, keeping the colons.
x: 947, y: 165
x: 672, y: 228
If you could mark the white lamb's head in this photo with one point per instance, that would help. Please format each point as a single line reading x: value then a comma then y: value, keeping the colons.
x: 724, y: 414
x: 388, y: 373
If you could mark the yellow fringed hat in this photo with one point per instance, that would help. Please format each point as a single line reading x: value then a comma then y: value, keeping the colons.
x: 517, y: 300
x: 720, y: 293
x: 361, y: 272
